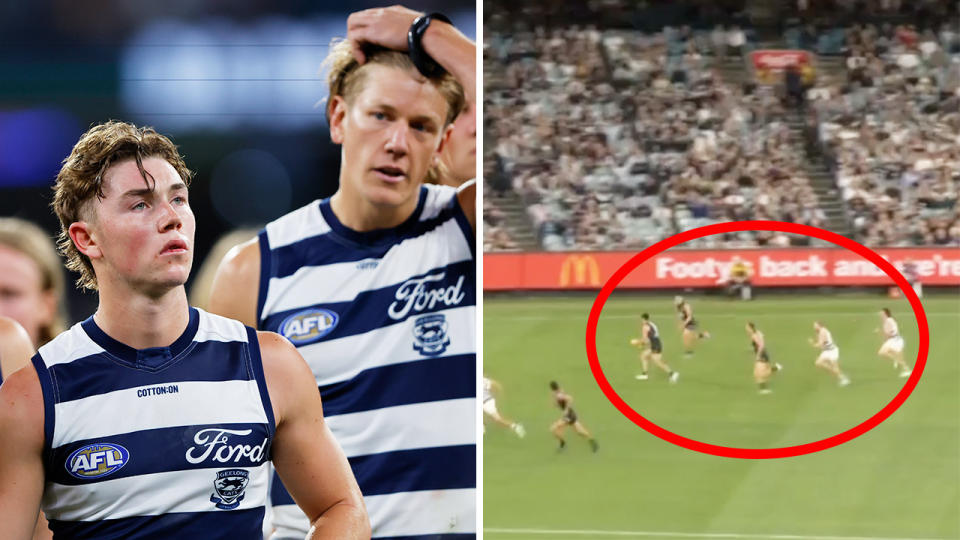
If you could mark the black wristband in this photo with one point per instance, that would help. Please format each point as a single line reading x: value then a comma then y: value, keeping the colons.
x: 425, y: 64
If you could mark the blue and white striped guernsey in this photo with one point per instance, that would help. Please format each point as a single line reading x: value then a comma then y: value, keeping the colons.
x: 165, y: 442
x: 386, y: 320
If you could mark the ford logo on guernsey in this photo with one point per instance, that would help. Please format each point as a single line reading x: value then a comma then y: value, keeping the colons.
x: 309, y: 325
x: 97, y: 460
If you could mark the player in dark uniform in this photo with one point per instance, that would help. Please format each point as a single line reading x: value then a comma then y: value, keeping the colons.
x: 651, y: 348
x: 688, y: 325
x: 569, y: 418
x: 762, y: 368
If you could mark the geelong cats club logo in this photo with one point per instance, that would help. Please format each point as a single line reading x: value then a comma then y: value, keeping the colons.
x: 430, y: 335
x: 228, y: 488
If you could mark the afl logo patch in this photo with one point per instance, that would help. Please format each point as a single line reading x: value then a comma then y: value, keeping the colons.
x: 97, y: 460
x: 430, y: 335
x: 309, y: 325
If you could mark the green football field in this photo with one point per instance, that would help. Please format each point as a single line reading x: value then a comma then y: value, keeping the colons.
x: 899, y: 480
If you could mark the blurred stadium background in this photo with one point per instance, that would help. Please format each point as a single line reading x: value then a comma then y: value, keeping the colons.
x: 610, y: 125
x: 235, y: 84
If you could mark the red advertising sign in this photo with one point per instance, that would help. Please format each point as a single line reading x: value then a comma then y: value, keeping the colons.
x: 710, y: 268
x: 780, y: 59
x: 769, y: 64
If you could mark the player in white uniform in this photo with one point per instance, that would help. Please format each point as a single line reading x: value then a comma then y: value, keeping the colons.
x: 829, y: 358
x: 376, y: 285
x: 490, y: 407
x: 127, y: 227
x: 892, y: 346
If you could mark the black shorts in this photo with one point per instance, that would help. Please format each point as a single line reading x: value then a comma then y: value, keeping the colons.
x: 764, y: 357
x: 570, y: 417
x: 656, y: 346
x: 692, y: 325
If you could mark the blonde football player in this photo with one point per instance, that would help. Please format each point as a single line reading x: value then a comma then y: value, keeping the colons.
x: 892, y: 346
x: 490, y: 387
x: 829, y: 358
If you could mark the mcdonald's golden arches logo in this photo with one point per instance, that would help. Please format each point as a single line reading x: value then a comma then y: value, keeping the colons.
x: 584, y: 269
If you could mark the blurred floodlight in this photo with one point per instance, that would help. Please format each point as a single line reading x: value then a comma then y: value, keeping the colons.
x: 249, y: 187
x: 220, y: 75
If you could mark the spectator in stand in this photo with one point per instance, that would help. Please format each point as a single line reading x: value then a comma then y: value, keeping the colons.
x: 739, y: 279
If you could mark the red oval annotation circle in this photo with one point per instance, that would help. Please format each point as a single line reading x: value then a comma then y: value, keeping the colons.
x: 757, y: 453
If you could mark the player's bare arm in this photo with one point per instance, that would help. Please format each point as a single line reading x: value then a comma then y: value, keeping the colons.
x: 236, y: 284
x: 307, y: 458
x: 15, y: 347
x: 21, y: 454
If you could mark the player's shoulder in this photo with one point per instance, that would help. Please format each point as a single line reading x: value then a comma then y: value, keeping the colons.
x: 287, y: 374
x: 280, y: 357
x: 241, y: 258
x: 436, y: 198
x: 11, y: 331
x: 213, y: 327
x: 22, y: 400
x: 15, y: 346
x: 299, y: 224
x: 72, y: 344
x: 467, y: 196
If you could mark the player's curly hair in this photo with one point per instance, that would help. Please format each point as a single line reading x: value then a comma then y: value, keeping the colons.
x: 81, y: 178
x: 345, y: 76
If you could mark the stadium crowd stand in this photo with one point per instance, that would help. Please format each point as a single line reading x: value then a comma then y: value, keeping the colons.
x: 614, y: 138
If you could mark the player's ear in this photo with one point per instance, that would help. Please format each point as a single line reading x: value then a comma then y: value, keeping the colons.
x: 84, y: 238
x: 444, y: 138
x: 337, y: 109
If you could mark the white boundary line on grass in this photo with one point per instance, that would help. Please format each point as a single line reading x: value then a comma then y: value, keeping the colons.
x: 707, y: 317
x: 667, y: 534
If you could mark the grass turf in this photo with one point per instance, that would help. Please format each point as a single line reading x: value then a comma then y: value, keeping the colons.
x: 900, y: 480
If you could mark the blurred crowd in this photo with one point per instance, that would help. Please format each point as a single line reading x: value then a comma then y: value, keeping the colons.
x: 891, y: 129
x: 614, y: 139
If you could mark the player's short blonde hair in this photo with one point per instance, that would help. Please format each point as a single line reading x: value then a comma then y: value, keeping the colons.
x: 81, y: 178
x: 30, y: 240
x: 345, y: 76
x: 436, y: 173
